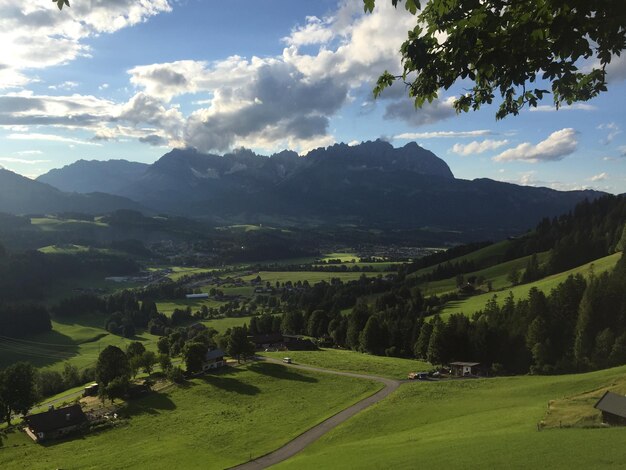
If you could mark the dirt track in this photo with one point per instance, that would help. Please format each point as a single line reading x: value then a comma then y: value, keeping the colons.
x: 303, y: 440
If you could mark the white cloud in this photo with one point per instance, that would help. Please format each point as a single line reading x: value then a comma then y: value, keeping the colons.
x: 613, y: 131
x: 265, y: 102
x: 22, y: 160
x: 558, y: 145
x: 315, y: 31
x: 67, y: 85
x: 29, y: 152
x: 573, y: 107
x: 35, y: 35
x: 599, y: 177
x: 443, y: 134
x: 476, y: 147
x: 49, y: 137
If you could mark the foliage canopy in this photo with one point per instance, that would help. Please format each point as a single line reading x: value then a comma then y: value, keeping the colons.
x: 505, y: 47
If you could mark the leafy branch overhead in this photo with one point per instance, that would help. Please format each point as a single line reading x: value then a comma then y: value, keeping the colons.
x: 60, y: 3
x: 509, y: 48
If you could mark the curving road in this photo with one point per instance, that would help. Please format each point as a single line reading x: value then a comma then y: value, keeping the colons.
x: 313, y: 434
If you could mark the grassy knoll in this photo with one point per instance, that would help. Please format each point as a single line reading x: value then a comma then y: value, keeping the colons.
x: 350, y: 361
x: 78, y: 342
x: 473, y: 304
x: 489, y: 423
x: 215, y: 422
x: 488, y: 256
x: 498, y: 275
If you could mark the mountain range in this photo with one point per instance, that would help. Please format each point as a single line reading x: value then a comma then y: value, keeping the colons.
x: 370, y: 185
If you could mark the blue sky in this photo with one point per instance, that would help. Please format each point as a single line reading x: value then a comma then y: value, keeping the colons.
x: 131, y: 79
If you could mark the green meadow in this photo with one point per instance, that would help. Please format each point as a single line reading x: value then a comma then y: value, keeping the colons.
x: 78, y: 343
x: 485, y: 423
x: 498, y: 275
x: 350, y: 361
x: 213, y: 422
x: 474, y: 303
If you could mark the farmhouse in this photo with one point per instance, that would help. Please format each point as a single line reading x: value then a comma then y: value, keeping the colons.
x: 613, y: 407
x: 462, y: 369
x: 213, y: 360
x: 54, y: 423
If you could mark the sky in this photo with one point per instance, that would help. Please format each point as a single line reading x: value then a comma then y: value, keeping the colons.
x: 132, y: 79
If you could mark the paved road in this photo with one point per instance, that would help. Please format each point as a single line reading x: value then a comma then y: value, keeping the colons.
x: 313, y: 434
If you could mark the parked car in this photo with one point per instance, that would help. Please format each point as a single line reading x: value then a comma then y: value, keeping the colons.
x: 287, y: 360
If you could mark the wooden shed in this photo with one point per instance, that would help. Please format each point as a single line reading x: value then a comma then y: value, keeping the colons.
x: 613, y: 408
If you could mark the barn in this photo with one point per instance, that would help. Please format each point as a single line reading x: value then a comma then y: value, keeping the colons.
x: 613, y: 408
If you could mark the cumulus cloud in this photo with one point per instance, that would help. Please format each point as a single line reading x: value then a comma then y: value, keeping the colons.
x: 430, y: 113
x: 265, y: 102
x: 290, y: 97
x: 315, y: 31
x: 34, y: 35
x: 475, y: 146
x: 558, y: 145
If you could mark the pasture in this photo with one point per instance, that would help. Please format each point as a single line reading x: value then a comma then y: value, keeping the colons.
x: 312, y: 276
x: 78, y: 342
x: 213, y: 422
x: 485, y: 423
x: 474, y: 303
x: 351, y: 361
x: 498, y: 275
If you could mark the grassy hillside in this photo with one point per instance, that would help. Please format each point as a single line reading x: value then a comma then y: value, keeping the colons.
x: 473, y: 304
x: 350, y: 361
x: 497, y: 274
x: 69, y: 341
x: 215, y: 422
x: 489, y: 423
x: 484, y: 257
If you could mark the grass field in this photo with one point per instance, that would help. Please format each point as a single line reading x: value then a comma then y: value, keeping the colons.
x: 489, y: 423
x: 488, y: 256
x: 473, y: 304
x: 70, y: 341
x: 498, y: 275
x: 350, y: 361
x: 214, y: 422
x: 311, y: 276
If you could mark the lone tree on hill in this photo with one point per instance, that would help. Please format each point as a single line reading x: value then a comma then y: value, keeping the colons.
x: 112, y: 365
x: 505, y: 47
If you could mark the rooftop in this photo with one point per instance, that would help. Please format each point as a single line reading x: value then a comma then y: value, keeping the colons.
x: 612, y: 403
x: 56, y: 419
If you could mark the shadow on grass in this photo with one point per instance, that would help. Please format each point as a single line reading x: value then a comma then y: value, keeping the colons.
x: 230, y: 384
x: 152, y: 404
x: 279, y: 371
x: 41, y: 350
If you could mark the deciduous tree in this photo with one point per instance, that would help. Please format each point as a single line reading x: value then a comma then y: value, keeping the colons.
x: 514, y: 49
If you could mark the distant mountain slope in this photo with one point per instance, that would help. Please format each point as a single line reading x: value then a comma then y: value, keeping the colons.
x: 371, y: 184
x: 20, y: 195
x: 95, y: 176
